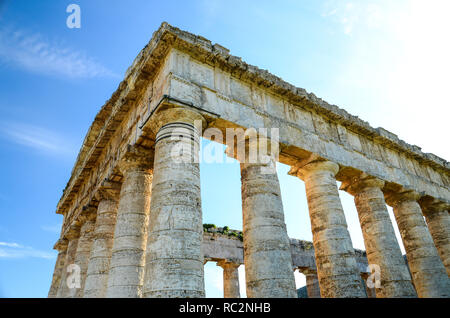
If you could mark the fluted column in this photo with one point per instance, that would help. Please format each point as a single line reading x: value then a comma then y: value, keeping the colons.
x: 101, y: 250
x: 427, y: 270
x: 312, y: 282
x: 72, y: 236
x: 438, y: 221
x: 84, y: 247
x: 379, y: 237
x: 126, y: 272
x: 174, y: 259
x: 61, y: 247
x: 230, y: 279
x: 267, y: 255
x: 335, y: 256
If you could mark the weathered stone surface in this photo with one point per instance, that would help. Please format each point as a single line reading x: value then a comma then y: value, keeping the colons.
x: 267, y: 257
x: 84, y: 249
x: 379, y: 237
x: 438, y: 221
x: 174, y: 259
x: 222, y: 247
x: 61, y: 247
x: 335, y: 257
x: 230, y: 279
x: 101, y: 249
x: 427, y: 270
x: 126, y: 271
x: 312, y: 282
x: 72, y: 237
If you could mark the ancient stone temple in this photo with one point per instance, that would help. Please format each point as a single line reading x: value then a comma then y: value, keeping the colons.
x: 132, y: 207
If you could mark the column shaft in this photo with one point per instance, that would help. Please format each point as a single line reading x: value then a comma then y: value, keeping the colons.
x: 59, y: 267
x: 126, y: 272
x: 438, y: 222
x: 267, y: 254
x: 230, y: 279
x: 335, y: 256
x: 427, y: 270
x: 312, y: 284
x: 379, y: 238
x: 101, y: 250
x: 63, y: 290
x: 83, y: 252
x: 174, y: 259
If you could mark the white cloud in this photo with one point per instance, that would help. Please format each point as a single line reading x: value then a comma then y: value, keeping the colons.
x: 33, y: 52
x: 14, y: 250
x: 354, y: 15
x: 37, y: 137
x: 10, y: 244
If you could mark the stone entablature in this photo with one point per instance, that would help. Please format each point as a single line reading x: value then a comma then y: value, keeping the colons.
x: 224, y: 247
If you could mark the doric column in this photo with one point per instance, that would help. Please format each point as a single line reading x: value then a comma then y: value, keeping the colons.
x: 230, y: 279
x: 312, y: 282
x: 174, y: 259
x: 87, y: 219
x: 126, y: 272
x: 101, y: 250
x: 427, y: 270
x: 61, y: 247
x: 438, y: 221
x: 267, y: 255
x: 379, y: 237
x: 72, y: 236
x: 335, y: 256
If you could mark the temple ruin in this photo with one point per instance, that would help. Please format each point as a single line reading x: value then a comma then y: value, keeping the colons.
x: 132, y: 207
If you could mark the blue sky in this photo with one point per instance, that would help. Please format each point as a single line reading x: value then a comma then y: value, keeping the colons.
x: 384, y: 61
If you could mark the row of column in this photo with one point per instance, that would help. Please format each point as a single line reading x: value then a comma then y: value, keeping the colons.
x: 145, y: 238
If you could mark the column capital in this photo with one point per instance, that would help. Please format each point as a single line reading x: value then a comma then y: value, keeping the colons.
x: 73, y: 232
x: 61, y: 245
x: 313, y: 164
x: 136, y: 157
x: 170, y: 114
x: 357, y: 184
x: 253, y: 148
x: 395, y: 198
x: 88, y: 213
x: 227, y: 264
x: 432, y: 205
x: 108, y: 190
x: 307, y: 270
